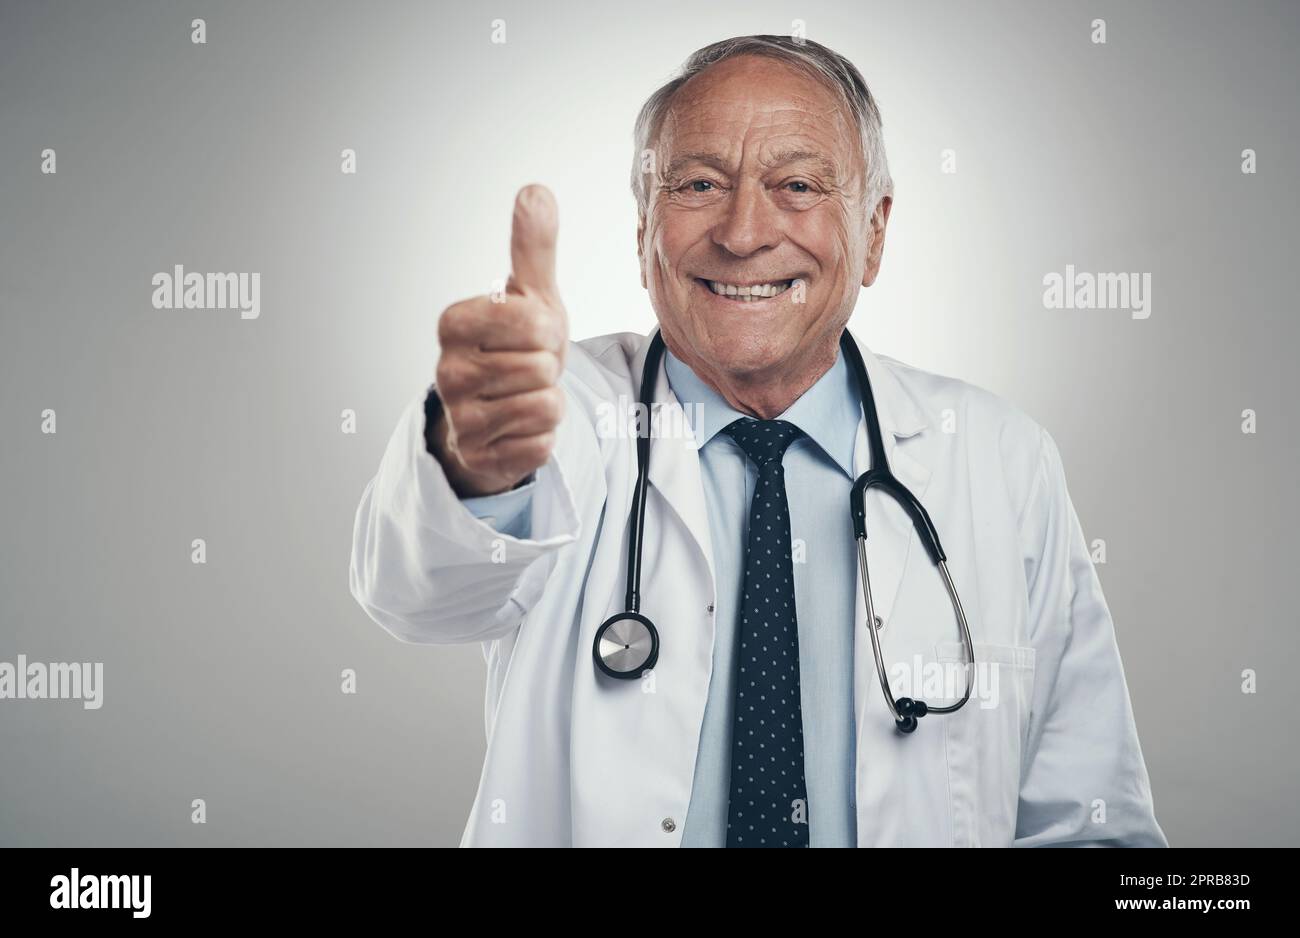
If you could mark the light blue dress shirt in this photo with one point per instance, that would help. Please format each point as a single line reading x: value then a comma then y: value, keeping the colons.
x: 819, y: 475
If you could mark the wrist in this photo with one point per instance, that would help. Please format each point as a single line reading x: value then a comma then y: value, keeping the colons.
x: 464, y: 483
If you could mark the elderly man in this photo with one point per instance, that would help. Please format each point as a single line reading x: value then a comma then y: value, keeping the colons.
x: 759, y: 712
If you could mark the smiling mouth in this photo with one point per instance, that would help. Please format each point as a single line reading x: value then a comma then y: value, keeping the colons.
x: 748, y: 293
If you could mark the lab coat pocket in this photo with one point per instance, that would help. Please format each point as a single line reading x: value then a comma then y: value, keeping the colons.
x: 984, y: 741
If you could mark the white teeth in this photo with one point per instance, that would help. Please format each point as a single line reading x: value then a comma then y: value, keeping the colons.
x: 749, y: 294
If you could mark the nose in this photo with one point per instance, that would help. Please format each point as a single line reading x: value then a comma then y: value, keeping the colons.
x: 750, y: 222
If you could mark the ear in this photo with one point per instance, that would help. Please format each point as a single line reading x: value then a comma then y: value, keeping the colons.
x: 640, y: 246
x: 879, y: 220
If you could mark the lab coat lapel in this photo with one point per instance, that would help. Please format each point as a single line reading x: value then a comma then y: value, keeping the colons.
x: 891, y: 539
x: 675, y: 460
x: 675, y: 473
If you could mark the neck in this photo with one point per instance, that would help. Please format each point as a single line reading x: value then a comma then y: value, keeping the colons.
x: 762, y: 394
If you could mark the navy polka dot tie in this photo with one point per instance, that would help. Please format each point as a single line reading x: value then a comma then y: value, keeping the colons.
x: 769, y: 803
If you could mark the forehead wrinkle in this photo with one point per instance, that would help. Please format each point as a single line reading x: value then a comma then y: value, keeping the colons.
x: 811, y: 119
x: 709, y: 106
x: 806, y: 135
x: 797, y: 154
x: 770, y: 149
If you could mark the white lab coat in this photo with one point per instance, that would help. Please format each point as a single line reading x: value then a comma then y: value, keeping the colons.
x: 574, y: 758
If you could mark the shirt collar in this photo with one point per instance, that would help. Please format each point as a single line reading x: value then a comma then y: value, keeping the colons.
x: 828, y: 412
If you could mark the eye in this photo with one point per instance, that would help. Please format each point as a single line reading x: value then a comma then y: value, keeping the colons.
x: 701, y: 185
x: 798, y: 186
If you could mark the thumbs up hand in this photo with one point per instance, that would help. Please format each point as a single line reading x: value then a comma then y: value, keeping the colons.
x: 501, y: 363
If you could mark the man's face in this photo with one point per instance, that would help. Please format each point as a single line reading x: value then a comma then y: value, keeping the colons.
x: 759, y: 183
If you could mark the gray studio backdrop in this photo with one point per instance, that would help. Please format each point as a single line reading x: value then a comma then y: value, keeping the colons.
x: 223, y: 681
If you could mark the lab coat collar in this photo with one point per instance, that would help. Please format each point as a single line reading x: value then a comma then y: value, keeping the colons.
x: 890, y: 532
x: 674, y: 460
x: 676, y: 473
x: 899, y: 412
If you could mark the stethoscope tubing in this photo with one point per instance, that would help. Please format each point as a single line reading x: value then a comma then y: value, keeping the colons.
x: 636, y: 522
x: 879, y: 476
x: 905, y: 711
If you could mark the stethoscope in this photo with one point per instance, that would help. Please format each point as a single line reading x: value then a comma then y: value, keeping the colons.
x: 627, y: 643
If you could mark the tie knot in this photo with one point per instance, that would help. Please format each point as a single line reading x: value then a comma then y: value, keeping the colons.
x: 763, y: 441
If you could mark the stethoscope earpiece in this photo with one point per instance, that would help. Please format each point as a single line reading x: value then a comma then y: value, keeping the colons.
x: 909, y: 713
x: 909, y: 707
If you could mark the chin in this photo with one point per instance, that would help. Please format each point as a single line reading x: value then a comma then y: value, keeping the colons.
x: 745, y: 352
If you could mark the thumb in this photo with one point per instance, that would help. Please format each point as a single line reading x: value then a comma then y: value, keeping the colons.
x: 532, y: 242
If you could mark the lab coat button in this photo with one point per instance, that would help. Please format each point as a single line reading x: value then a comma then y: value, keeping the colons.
x: 669, y: 825
x: 709, y: 608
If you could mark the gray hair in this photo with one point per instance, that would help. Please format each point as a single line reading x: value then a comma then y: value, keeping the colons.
x: 827, y: 66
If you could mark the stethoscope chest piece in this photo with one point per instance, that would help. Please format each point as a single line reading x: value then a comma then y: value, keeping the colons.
x: 626, y: 645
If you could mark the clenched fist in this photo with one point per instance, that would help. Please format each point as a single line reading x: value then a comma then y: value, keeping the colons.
x: 501, y: 363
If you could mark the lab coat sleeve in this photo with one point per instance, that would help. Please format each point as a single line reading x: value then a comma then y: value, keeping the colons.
x: 1083, y: 780
x: 429, y: 571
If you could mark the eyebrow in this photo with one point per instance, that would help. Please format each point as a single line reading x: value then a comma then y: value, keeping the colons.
x: 708, y: 159
x: 780, y: 158
x: 783, y: 157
